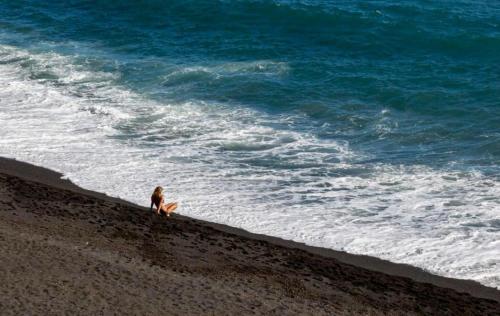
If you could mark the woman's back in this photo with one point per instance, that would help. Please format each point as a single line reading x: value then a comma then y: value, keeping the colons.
x: 156, y: 199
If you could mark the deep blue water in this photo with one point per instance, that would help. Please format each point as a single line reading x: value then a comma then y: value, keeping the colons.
x: 434, y: 66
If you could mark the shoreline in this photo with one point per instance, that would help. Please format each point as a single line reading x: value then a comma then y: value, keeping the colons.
x: 365, y: 265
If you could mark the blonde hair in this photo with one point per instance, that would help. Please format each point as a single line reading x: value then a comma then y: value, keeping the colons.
x: 158, y: 192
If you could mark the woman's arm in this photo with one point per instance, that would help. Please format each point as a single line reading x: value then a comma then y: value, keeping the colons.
x: 159, y: 206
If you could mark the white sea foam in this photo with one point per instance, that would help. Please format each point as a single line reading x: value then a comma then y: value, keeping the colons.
x: 226, y: 70
x: 244, y: 168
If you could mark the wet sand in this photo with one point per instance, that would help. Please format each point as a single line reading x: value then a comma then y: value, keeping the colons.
x: 66, y: 250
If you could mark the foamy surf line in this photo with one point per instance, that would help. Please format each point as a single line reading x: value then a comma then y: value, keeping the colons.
x: 243, y: 168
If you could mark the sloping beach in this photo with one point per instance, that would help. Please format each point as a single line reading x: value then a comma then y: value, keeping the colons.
x: 66, y: 250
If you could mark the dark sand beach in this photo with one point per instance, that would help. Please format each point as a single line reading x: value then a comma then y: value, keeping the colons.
x: 66, y: 250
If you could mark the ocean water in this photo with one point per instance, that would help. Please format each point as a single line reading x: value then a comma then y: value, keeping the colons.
x: 366, y: 126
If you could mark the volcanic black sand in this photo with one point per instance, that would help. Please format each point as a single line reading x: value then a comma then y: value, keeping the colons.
x: 65, y: 250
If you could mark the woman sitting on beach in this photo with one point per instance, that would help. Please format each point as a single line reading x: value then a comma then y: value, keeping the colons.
x: 158, y: 201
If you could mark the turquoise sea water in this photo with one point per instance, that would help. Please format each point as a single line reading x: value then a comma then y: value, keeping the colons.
x: 368, y: 126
